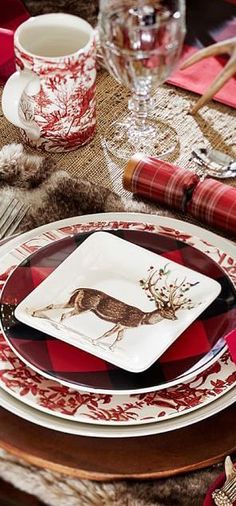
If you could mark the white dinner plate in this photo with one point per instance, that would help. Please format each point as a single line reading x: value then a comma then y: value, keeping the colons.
x: 82, y: 429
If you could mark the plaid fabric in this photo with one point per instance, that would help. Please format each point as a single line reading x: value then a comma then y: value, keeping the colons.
x: 11, y: 16
x: 159, y: 181
x: 214, y: 203
x: 67, y: 363
x: 209, y: 201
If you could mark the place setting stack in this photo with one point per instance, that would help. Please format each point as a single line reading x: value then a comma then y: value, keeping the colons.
x: 117, y: 325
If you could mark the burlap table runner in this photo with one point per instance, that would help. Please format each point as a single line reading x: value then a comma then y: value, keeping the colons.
x: 214, y: 125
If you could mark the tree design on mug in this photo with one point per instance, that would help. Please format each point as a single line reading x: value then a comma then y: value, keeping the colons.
x: 65, y: 106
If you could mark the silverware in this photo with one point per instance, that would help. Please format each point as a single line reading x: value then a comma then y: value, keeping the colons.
x: 12, y: 213
x: 214, y: 163
x: 226, y: 495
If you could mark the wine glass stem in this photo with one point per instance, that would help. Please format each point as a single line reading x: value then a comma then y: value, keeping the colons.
x: 139, y: 106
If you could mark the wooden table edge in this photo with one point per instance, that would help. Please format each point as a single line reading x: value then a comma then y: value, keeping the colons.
x: 99, y: 476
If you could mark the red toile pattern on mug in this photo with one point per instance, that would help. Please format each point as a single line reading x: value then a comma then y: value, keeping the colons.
x: 65, y: 106
x: 51, y: 97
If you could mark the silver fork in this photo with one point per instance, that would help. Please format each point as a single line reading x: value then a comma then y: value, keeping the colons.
x: 226, y: 495
x: 12, y: 213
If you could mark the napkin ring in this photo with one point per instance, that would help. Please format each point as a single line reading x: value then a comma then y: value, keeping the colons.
x: 226, y: 495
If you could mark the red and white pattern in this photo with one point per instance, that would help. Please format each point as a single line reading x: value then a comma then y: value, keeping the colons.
x: 51, y: 397
x: 65, y: 107
x: 226, y: 262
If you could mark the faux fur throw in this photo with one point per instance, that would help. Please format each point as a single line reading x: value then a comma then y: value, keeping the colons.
x: 52, y: 194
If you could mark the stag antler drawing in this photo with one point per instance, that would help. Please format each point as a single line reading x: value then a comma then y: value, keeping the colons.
x: 168, y: 297
x: 224, y: 47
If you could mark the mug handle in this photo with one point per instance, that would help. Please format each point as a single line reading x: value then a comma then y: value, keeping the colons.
x: 11, y: 98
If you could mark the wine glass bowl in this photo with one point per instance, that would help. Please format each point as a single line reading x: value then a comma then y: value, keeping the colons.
x: 141, y: 43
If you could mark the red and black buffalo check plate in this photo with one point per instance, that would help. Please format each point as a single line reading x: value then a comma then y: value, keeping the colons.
x: 76, y: 368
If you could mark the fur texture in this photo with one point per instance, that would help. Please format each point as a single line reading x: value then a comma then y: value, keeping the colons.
x: 52, y: 194
x: 56, y: 489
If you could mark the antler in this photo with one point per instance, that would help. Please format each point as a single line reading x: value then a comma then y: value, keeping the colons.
x: 167, y: 295
x: 226, y: 46
x: 150, y: 286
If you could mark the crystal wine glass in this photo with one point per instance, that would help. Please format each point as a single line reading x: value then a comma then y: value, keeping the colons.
x: 141, y: 43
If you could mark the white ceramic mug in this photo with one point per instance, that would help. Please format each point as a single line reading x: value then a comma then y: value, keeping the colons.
x: 51, y: 97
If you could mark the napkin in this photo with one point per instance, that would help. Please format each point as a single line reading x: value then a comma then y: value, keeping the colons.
x: 207, y: 21
x: 209, y: 201
x: 231, y: 342
x: 217, y: 484
x: 11, y: 16
x: 192, y: 79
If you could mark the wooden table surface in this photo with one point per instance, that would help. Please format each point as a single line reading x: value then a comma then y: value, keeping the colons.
x: 162, y: 455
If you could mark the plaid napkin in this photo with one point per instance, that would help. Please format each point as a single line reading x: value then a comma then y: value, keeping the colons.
x: 209, y: 201
x: 11, y: 16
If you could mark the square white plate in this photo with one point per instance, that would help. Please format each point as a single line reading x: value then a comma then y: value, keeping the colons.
x: 115, y: 287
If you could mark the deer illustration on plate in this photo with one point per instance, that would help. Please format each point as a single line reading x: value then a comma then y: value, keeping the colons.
x: 169, y: 298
